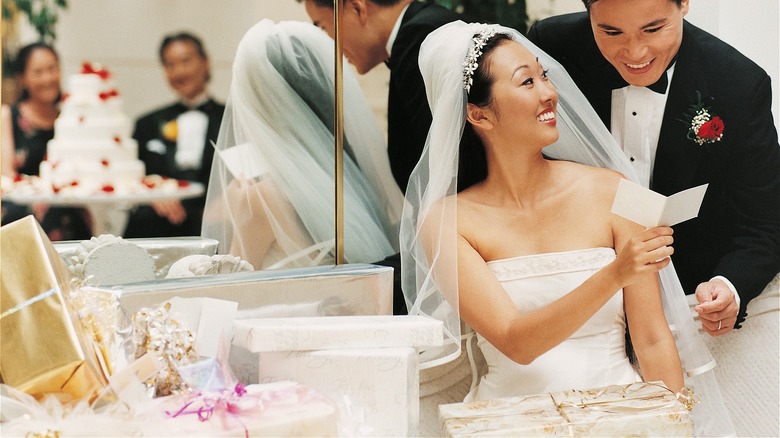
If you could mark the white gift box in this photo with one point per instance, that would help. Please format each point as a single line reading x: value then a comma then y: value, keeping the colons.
x: 380, y: 384
x: 370, y: 361
x: 335, y: 332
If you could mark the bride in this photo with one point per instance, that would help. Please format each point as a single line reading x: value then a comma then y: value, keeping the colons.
x: 507, y: 229
x: 270, y: 198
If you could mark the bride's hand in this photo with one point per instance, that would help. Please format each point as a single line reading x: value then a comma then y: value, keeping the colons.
x: 646, y: 252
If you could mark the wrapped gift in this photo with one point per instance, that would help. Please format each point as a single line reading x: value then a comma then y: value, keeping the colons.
x: 380, y: 384
x: 351, y: 289
x: 45, y: 348
x: 164, y: 250
x: 344, y: 358
x: 637, y: 409
x: 277, y: 409
x: 335, y: 332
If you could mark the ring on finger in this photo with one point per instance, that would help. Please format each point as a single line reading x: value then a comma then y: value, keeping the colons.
x: 720, y: 324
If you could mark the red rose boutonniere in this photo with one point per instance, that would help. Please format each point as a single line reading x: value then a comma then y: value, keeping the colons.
x: 703, y: 127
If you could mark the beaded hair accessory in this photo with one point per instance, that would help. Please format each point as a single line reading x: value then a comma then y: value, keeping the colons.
x: 471, y: 63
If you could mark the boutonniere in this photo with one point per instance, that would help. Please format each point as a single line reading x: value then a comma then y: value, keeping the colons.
x: 169, y: 130
x: 703, y: 127
x: 26, y: 127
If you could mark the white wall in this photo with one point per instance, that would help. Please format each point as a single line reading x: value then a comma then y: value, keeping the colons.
x: 752, y: 27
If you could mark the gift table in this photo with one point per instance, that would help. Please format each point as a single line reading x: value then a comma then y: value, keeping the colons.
x: 109, y: 210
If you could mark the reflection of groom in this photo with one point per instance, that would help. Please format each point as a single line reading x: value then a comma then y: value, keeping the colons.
x: 391, y: 31
x: 733, y: 246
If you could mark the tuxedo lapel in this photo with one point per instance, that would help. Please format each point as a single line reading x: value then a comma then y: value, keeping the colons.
x: 411, y: 11
x: 678, y: 158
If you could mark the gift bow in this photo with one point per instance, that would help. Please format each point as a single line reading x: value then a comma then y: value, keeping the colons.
x: 223, y: 402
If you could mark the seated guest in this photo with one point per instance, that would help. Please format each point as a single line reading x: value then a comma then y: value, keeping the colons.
x: 278, y: 209
x: 28, y: 125
x: 175, y: 141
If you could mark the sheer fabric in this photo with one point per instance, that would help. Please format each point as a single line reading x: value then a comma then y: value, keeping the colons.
x: 429, y: 264
x: 279, y: 210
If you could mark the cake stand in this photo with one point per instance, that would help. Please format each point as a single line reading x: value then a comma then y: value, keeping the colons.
x: 109, y: 211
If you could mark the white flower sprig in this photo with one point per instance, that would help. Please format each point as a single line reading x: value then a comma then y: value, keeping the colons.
x: 703, y: 128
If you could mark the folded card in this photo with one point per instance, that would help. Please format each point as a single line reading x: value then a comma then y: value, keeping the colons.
x: 651, y: 209
x: 243, y: 161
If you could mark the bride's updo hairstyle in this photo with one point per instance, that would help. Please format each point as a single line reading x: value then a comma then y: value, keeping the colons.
x: 472, y: 167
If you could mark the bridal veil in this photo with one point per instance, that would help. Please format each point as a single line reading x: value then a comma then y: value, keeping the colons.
x: 271, y: 193
x: 429, y: 265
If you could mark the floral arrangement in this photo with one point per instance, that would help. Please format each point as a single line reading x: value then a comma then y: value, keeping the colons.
x: 703, y: 127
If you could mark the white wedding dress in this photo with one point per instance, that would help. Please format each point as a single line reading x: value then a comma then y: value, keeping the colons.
x: 593, y: 356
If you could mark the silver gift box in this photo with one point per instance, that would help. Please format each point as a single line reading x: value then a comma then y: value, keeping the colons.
x: 351, y: 289
x: 164, y: 250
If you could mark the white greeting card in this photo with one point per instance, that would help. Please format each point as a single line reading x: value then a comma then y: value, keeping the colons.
x: 210, y: 319
x: 243, y: 161
x: 651, y: 209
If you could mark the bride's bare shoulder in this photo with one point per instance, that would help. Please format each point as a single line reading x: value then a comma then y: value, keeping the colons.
x: 589, y: 179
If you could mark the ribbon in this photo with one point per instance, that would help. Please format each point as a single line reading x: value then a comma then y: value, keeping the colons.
x: 686, y: 396
x: 237, y: 402
x: 28, y: 302
x: 46, y: 434
x: 223, y: 402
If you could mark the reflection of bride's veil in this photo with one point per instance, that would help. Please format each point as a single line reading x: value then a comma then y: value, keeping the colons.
x: 281, y: 106
x: 429, y: 265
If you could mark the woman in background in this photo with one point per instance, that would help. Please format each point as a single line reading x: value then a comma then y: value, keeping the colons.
x: 271, y: 195
x: 28, y: 125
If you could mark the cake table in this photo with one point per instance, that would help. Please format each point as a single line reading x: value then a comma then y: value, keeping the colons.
x: 109, y: 211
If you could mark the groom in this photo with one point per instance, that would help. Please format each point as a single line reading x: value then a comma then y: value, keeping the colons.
x: 390, y: 31
x: 728, y: 254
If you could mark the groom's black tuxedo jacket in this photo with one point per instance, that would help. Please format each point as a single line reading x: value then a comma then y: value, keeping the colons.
x: 408, y: 114
x: 737, y: 232
x: 144, y: 222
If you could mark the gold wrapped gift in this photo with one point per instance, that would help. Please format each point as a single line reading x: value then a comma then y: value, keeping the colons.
x: 637, y: 409
x: 43, y: 346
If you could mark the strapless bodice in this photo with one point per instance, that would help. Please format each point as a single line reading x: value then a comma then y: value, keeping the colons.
x: 593, y: 356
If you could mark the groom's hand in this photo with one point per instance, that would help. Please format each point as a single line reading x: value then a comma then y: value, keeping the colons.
x: 717, y: 307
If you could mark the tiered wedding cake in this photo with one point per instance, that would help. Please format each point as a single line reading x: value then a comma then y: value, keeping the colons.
x: 92, y: 150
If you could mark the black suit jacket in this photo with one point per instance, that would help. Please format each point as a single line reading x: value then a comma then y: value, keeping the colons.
x: 737, y: 232
x: 144, y: 222
x: 408, y: 113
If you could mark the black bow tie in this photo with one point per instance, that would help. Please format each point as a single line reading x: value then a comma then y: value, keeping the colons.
x: 658, y: 86
x: 204, y: 107
x: 616, y: 81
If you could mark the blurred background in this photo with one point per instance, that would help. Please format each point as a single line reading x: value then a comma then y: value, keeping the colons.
x: 125, y: 35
